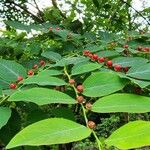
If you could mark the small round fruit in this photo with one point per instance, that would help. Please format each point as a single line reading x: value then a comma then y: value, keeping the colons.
x: 95, y: 57
x: 20, y: 78
x: 57, y: 28
x: 117, y: 67
x: 101, y: 59
x: 109, y: 63
x: 30, y: 72
x: 80, y: 88
x: 139, y: 48
x: 13, y: 86
x: 42, y: 62
x: 80, y: 99
x: 90, y: 55
x: 86, y: 52
x: 91, y: 124
x: 72, y: 81
x: 126, y: 46
x: 138, y: 90
x: 88, y: 106
x: 35, y: 66
x: 126, y: 69
x: 50, y: 28
x: 146, y: 49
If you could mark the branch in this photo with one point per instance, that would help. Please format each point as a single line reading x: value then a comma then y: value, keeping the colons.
x: 40, y: 12
x: 136, y: 11
x: 27, y: 11
x: 55, y: 5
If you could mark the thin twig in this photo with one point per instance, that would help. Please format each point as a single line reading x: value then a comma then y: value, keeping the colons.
x: 136, y: 11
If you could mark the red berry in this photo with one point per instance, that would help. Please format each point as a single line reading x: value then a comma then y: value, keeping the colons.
x: 50, y: 28
x: 20, y: 78
x: 35, y: 66
x: 91, y: 124
x: 109, y: 63
x: 80, y: 88
x: 57, y: 28
x: 126, y: 46
x: 80, y: 99
x: 146, y: 49
x: 95, y: 57
x: 42, y: 62
x: 86, y: 52
x: 72, y: 81
x: 117, y: 67
x: 30, y: 72
x: 88, y: 106
x: 90, y: 55
x: 138, y: 90
x: 12, y: 86
x: 139, y: 48
x: 126, y: 69
x: 101, y: 59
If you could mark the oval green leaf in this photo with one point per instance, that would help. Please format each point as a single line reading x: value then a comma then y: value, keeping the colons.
x: 102, y: 83
x: 42, y: 80
x: 5, y: 114
x: 129, y: 61
x: 10, y: 70
x: 50, y: 131
x: 132, y: 135
x: 140, y: 72
x: 51, y: 55
x: 130, y: 103
x: 50, y: 73
x: 71, y: 60
x: 84, y: 68
x: 42, y: 96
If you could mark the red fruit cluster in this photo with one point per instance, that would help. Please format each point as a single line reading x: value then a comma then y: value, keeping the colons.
x: 143, y: 49
x: 94, y: 57
x: 57, y: 28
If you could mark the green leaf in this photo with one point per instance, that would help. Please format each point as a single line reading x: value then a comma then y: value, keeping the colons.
x: 50, y: 131
x: 94, y: 48
x: 62, y: 33
x: 51, y: 55
x: 84, y: 68
x: 50, y: 73
x: 43, y: 80
x: 42, y: 96
x: 10, y: 70
x: 140, y: 72
x: 129, y: 61
x: 12, y: 127
x: 130, y: 103
x: 5, y: 114
x: 132, y: 135
x: 108, y: 53
x: 71, y: 60
x: 102, y: 83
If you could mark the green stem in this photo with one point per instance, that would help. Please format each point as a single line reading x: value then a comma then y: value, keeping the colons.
x: 84, y: 111
x: 98, y: 141
x: 4, y: 99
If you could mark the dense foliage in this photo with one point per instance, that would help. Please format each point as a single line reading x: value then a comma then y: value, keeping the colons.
x: 67, y: 85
